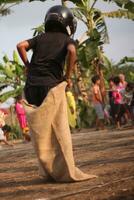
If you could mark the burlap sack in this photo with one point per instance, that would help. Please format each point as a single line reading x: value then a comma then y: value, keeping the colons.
x: 52, y: 139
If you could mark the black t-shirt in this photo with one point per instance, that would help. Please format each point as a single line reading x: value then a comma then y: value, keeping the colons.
x: 48, y: 59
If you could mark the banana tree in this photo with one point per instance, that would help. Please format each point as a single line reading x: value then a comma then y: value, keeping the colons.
x: 90, y: 54
x: 11, y: 77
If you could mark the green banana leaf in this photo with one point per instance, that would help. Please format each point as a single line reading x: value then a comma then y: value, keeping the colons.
x: 5, y: 58
x: 12, y: 93
x: 8, y: 71
x: 16, y: 58
x: 11, y: 74
x: 119, y: 14
x: 38, y: 30
x: 126, y: 4
x: 125, y: 60
x: 100, y: 29
x: 3, y: 87
x: 10, y: 1
x: 87, y: 52
x: 100, y: 25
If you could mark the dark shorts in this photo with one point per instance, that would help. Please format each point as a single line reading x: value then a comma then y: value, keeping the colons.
x: 119, y: 109
x: 36, y: 94
x: 112, y: 108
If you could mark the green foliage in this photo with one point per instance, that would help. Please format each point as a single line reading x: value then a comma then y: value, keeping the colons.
x: 100, y: 26
x: 5, y: 6
x: 10, y: 1
x: 15, y: 133
x: 126, y: 4
x: 86, y: 114
x: 119, y: 14
x: 95, y: 23
x: 125, y: 66
x: 12, y: 93
x: 126, y: 60
x: 11, y: 74
x: 38, y: 30
x: 87, y: 51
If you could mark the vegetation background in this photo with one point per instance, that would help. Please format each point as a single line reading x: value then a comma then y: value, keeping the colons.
x: 91, y: 58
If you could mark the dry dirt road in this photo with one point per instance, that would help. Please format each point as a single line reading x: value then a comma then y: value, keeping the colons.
x: 110, y: 155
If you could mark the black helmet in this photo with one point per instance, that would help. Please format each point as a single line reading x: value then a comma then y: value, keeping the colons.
x: 60, y: 18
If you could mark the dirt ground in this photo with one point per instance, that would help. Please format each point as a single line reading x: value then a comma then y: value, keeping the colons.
x: 110, y: 155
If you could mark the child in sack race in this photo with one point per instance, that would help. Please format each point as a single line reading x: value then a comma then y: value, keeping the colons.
x: 45, y: 88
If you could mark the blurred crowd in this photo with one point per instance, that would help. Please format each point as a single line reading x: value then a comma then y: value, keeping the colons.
x: 115, y: 108
x: 6, y: 130
x: 118, y: 110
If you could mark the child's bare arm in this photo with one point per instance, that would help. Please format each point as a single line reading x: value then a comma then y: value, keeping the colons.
x: 71, y: 61
x: 22, y: 48
x: 98, y: 98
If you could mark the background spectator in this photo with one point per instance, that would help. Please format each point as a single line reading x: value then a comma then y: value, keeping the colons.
x: 97, y: 102
x: 21, y: 115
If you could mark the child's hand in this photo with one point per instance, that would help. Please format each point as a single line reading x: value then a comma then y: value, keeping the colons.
x: 72, y: 110
x: 25, y: 71
x: 69, y: 83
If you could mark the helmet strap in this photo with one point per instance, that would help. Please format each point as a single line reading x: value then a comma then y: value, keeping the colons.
x: 68, y: 30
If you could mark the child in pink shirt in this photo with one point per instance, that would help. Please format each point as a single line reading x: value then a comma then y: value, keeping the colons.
x: 117, y: 95
x: 118, y: 101
x: 21, y: 115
